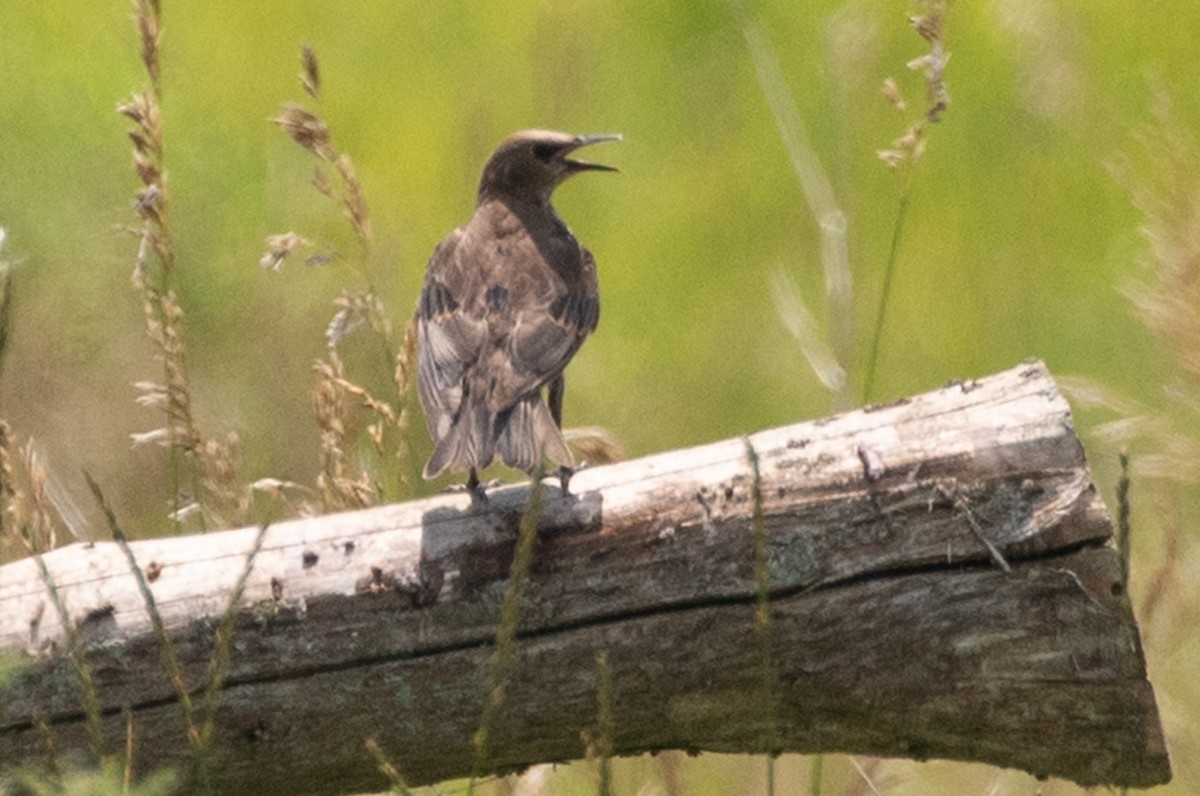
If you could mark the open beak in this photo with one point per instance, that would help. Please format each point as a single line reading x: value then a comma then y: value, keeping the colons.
x: 588, y: 140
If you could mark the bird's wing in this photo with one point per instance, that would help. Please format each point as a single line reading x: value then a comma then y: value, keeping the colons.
x: 544, y: 340
x: 449, y: 338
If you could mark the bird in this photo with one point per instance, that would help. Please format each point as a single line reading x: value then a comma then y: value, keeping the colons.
x: 507, y: 301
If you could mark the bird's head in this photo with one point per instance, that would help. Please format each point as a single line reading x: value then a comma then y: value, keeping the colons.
x: 530, y: 164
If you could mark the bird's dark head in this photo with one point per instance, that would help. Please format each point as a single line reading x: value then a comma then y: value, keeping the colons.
x: 530, y: 164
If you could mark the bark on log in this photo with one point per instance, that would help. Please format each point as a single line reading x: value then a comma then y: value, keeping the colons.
x: 940, y: 584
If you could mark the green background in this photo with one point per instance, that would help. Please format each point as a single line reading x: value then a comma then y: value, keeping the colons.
x: 1018, y: 240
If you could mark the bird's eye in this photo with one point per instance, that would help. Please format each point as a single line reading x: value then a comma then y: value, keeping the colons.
x: 544, y: 151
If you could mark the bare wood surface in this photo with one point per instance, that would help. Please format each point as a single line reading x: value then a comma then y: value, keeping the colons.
x: 939, y: 579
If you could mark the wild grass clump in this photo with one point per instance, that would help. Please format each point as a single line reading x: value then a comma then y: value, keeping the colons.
x: 1160, y: 443
x: 344, y: 482
x: 25, y: 511
x: 205, y: 471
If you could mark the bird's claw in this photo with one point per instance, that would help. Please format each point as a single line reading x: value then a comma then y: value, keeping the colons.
x: 564, y: 477
x: 475, y: 488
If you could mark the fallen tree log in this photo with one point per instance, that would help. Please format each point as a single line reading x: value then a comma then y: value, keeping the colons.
x: 934, y: 576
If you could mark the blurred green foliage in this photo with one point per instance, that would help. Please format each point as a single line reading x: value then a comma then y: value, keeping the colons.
x: 1017, y: 240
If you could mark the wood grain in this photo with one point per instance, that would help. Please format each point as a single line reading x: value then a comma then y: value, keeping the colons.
x: 940, y: 586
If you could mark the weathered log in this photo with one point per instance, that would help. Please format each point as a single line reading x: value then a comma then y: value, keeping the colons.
x: 939, y: 577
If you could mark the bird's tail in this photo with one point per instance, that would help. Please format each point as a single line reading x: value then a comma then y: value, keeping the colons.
x: 521, y: 436
x: 470, y: 442
x: 527, y: 434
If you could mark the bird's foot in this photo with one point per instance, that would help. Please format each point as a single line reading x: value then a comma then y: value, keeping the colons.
x: 564, y: 476
x: 476, y: 488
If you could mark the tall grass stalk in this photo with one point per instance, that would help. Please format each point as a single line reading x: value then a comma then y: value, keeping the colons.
x: 54, y: 774
x: 816, y: 775
x: 218, y: 664
x: 503, y: 655
x: 87, y: 682
x: 199, y: 735
x: 387, y: 768
x: 889, y: 271
x: 6, y: 294
x: 906, y: 153
x: 601, y: 746
x: 769, y: 686
x: 170, y: 659
x: 822, y: 204
x: 127, y: 777
x: 219, y: 499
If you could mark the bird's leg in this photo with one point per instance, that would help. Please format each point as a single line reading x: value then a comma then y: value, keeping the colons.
x: 558, y: 387
x: 564, y: 478
x: 477, y: 490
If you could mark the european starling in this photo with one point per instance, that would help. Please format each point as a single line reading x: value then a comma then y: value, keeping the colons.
x: 508, y: 299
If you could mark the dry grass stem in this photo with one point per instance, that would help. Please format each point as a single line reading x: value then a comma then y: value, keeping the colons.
x: 148, y: 15
x: 1164, y: 181
x: 818, y: 191
x: 11, y: 498
x: 1162, y: 174
x: 1166, y: 449
x: 127, y: 779
x: 312, y: 134
x: 50, y: 758
x: 769, y: 694
x: 42, y: 532
x: 6, y: 294
x: 797, y: 319
x: 387, y: 768
x: 402, y: 379
x: 213, y: 465
x: 864, y: 784
x: 343, y: 482
x: 170, y: 659
x: 504, y: 654
x: 906, y: 153
x: 30, y: 515
x: 600, y: 747
x: 83, y: 670
x: 218, y: 664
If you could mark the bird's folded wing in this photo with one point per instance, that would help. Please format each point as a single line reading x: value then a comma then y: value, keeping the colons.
x: 451, y: 341
x: 543, y: 342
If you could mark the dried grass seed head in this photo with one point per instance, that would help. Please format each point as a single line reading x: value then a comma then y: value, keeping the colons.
x: 310, y: 73
x: 150, y: 33
x: 280, y: 247
x: 308, y: 130
x: 891, y: 92
x: 1164, y: 182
